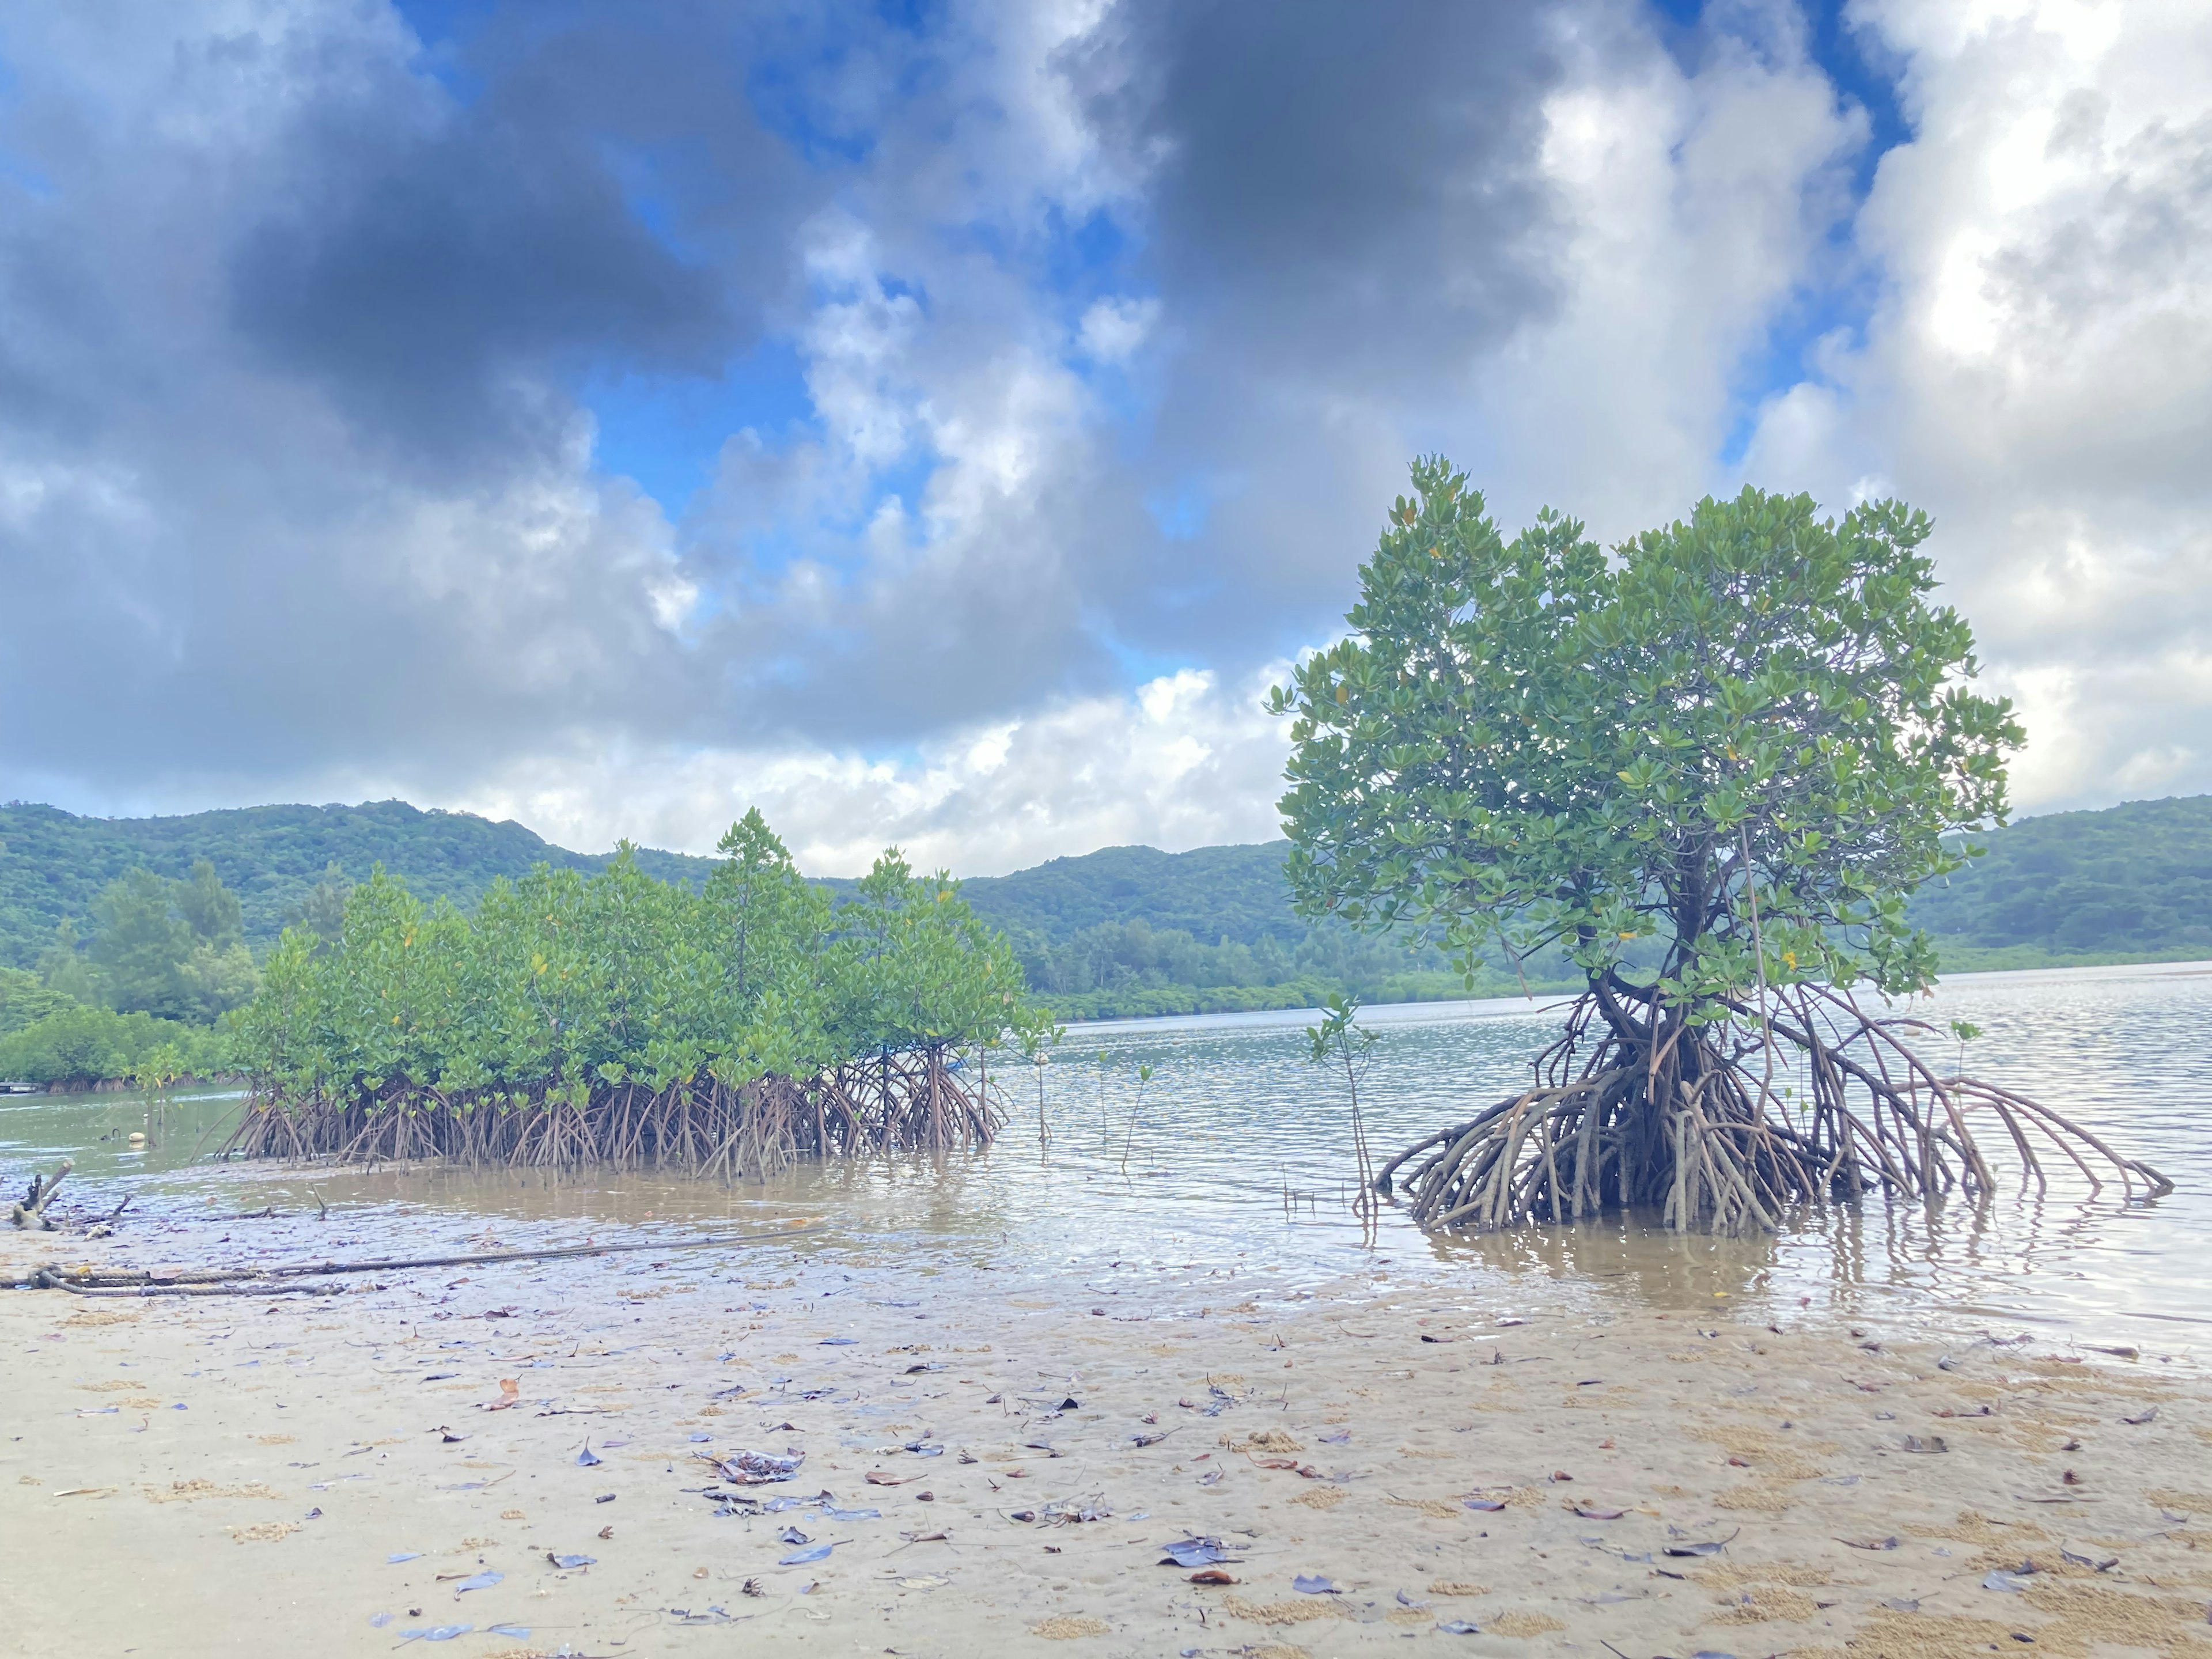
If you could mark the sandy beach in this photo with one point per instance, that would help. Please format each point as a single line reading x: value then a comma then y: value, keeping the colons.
x: 459, y: 1457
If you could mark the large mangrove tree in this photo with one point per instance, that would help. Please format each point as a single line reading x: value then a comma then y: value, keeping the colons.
x: 1711, y: 765
x: 616, y: 1018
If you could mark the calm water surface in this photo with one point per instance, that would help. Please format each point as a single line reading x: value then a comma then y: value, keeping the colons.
x: 1232, y: 1161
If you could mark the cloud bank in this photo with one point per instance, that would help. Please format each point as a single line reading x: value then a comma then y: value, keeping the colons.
x: 943, y: 432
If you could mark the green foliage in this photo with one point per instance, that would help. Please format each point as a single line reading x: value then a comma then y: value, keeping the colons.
x: 1340, y: 1042
x: 1125, y: 931
x: 562, y: 983
x: 25, y: 1000
x: 53, y: 865
x: 2134, y: 879
x: 85, y: 1045
x: 169, y: 948
x: 322, y: 912
x: 1740, y: 741
x: 62, y: 966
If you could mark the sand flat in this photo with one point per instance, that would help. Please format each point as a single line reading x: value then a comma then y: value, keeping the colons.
x: 245, y: 1491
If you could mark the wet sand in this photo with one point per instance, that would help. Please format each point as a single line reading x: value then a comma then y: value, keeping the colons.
x: 240, y: 1475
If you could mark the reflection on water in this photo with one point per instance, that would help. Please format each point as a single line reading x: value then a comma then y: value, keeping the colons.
x: 1237, y: 1154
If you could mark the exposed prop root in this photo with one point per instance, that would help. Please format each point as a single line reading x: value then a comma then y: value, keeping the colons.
x: 1728, y: 1125
x: 913, y: 1101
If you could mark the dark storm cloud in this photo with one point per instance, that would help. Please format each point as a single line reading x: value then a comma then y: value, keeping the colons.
x: 292, y: 474
x: 419, y: 271
x: 1347, y: 211
x: 289, y: 465
x: 1337, y: 210
x: 1338, y: 188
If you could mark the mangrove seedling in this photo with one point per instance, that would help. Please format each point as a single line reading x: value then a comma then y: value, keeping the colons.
x: 1136, y: 1110
x: 1347, y: 1047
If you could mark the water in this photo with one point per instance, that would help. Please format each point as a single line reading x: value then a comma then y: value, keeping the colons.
x: 1235, y: 1157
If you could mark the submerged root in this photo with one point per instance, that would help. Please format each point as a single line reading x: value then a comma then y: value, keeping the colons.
x: 1728, y: 1125
x: 917, y: 1101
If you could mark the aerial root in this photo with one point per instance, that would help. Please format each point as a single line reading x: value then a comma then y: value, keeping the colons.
x: 1728, y: 1126
x: 914, y: 1101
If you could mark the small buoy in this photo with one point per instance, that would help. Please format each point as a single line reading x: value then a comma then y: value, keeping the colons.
x: 137, y: 1137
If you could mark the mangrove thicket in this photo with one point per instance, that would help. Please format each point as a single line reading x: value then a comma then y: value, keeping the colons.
x: 615, y: 1018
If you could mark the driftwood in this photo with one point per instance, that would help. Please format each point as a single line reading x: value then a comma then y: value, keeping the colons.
x: 262, y: 1280
x: 31, y: 1212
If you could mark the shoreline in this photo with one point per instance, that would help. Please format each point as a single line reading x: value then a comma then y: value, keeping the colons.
x: 234, y: 1475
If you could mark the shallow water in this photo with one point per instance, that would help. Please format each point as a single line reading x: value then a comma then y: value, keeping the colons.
x: 1234, y: 1156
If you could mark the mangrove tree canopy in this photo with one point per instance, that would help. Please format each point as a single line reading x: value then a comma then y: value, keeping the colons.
x: 1727, y: 751
x: 614, y: 1016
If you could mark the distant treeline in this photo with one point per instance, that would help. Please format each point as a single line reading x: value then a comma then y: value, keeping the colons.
x: 2130, y: 880
x: 1124, y: 931
x: 54, y: 864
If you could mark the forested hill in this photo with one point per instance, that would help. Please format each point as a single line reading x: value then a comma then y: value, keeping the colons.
x: 53, y: 864
x: 2134, y: 880
x: 1127, y: 929
x: 1211, y: 893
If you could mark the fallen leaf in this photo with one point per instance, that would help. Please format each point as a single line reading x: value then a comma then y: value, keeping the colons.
x: 1312, y: 1584
x: 1212, y: 1576
x: 2147, y: 1414
x: 1591, y: 1512
x: 1709, y: 1546
x: 1187, y: 1552
x: 877, y: 1478
x: 1869, y: 1543
x: 753, y: 1469
x: 2080, y: 1560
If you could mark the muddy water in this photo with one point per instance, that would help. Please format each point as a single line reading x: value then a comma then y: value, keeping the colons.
x: 1234, y: 1156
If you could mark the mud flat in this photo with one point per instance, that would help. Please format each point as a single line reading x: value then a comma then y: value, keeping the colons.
x: 998, y: 1466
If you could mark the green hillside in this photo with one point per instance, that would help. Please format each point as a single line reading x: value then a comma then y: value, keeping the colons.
x: 1125, y: 930
x: 2134, y: 880
x: 1211, y: 893
x: 53, y: 864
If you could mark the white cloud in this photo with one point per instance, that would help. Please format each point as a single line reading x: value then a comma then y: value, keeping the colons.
x: 1697, y: 201
x: 1183, y: 761
x: 251, y: 558
x: 1113, y: 328
x: 2039, y: 375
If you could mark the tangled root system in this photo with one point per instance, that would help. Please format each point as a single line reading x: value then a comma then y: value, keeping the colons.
x: 1729, y: 1123
x: 917, y: 1101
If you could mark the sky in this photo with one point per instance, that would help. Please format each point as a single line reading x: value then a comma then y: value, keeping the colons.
x: 938, y: 421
